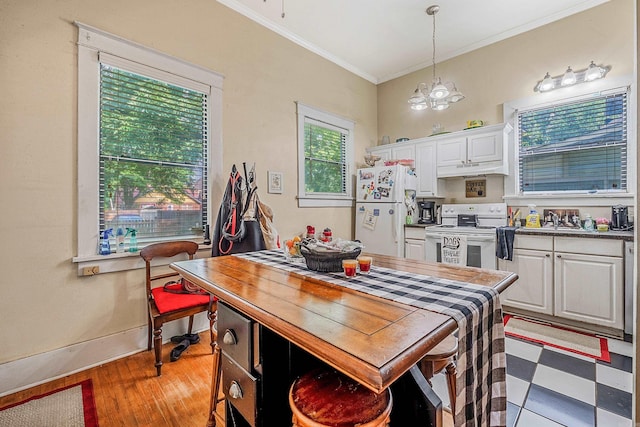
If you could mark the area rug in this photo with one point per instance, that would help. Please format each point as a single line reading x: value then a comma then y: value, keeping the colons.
x: 71, y: 406
x: 558, y: 337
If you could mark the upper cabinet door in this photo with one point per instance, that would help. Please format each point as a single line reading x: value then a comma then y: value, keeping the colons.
x: 404, y: 152
x: 426, y: 169
x: 484, y: 147
x: 452, y: 152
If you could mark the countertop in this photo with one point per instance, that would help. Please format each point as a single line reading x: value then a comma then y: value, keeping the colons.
x: 569, y: 232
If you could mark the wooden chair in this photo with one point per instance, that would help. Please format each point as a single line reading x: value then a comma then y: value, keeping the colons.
x: 439, y: 358
x: 165, y: 306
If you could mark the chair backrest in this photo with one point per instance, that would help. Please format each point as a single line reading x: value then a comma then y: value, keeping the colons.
x: 165, y: 250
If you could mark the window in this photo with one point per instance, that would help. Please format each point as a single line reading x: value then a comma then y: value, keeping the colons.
x: 574, y: 146
x: 325, y: 153
x: 149, y: 142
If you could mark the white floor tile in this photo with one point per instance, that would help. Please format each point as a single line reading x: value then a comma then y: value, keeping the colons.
x: 606, y: 418
x: 531, y: 419
x: 516, y: 390
x: 567, y: 384
x: 614, y: 378
x: 522, y: 349
x: 621, y: 347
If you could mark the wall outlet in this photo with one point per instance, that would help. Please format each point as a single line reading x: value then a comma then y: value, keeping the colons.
x: 91, y: 270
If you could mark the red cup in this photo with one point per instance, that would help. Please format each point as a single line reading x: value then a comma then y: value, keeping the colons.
x: 349, y: 266
x: 364, y: 262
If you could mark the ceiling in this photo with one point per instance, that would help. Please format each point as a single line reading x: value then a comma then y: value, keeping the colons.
x: 380, y: 40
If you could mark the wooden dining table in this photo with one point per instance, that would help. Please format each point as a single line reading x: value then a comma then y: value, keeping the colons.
x: 373, y: 340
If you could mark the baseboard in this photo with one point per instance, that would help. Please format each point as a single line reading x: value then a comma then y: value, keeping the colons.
x: 30, y: 371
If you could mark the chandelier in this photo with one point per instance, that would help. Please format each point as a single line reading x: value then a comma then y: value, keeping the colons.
x: 440, y: 95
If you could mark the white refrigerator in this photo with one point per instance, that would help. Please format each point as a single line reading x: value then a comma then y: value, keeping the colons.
x: 386, y: 195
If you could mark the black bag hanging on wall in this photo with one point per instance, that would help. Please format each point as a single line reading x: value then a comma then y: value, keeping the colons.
x: 234, y: 232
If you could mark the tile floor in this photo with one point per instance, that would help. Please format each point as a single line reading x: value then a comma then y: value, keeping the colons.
x: 548, y: 387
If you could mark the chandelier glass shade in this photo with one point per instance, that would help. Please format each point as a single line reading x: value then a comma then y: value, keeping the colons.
x: 440, y: 94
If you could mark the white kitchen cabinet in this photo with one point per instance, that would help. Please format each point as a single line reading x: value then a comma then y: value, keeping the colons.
x: 533, y: 262
x: 534, y: 288
x: 474, y: 151
x: 414, y: 243
x: 575, y: 278
x: 404, y: 151
x: 414, y: 249
x: 426, y: 168
x: 589, y: 281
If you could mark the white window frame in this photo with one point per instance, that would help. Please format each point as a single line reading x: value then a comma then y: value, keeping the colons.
x: 512, y: 193
x: 92, y: 42
x: 324, y: 200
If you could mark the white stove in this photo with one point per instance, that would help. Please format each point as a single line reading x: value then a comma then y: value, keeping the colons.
x: 473, y: 228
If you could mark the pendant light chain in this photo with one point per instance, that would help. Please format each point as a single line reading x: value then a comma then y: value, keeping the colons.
x: 433, y: 39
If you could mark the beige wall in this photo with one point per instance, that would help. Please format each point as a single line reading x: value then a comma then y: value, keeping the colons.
x: 43, y: 304
x: 509, y: 70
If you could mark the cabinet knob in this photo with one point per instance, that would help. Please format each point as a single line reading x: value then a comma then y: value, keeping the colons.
x: 229, y: 337
x: 235, y: 391
x: 559, y: 256
x: 548, y: 255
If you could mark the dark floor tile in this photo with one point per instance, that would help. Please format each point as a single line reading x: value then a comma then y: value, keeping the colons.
x: 619, y: 361
x: 560, y: 408
x: 520, y: 368
x: 513, y: 411
x: 613, y: 400
x: 571, y: 365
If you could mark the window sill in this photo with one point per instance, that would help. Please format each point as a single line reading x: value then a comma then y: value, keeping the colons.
x: 123, y: 261
x: 573, y: 199
x: 319, y: 202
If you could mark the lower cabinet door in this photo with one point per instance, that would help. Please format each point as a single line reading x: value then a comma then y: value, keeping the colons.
x: 534, y: 288
x: 589, y: 288
x: 414, y: 249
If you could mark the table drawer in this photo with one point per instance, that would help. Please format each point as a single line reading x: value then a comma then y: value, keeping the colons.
x: 241, y: 389
x: 235, y: 335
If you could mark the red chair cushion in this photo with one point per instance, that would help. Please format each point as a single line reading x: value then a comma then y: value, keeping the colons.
x: 167, y: 301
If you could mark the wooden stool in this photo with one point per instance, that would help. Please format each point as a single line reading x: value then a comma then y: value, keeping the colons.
x: 327, y: 398
x: 442, y: 356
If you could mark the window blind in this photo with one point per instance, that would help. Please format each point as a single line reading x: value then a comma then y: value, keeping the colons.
x: 325, y: 158
x: 574, y: 146
x: 153, y: 155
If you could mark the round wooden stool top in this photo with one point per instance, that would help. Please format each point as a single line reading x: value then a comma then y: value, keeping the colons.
x: 329, y: 398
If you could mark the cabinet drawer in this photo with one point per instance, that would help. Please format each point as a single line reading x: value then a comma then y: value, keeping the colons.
x: 533, y: 242
x: 414, y: 233
x: 235, y: 335
x: 241, y: 389
x: 585, y: 245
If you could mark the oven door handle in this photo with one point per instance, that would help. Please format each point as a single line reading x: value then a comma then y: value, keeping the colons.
x: 470, y: 237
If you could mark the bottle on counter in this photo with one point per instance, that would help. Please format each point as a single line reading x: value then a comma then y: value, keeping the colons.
x: 311, y: 232
x: 326, y: 235
x: 588, y: 223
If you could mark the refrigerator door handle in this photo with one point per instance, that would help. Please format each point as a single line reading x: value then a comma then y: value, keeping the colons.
x: 394, y: 226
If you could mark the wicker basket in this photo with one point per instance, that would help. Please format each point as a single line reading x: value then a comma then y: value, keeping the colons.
x: 326, y: 261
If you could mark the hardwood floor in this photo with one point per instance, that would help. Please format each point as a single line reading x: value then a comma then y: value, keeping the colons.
x: 128, y: 393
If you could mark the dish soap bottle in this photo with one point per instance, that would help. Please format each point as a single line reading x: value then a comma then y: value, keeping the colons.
x: 588, y: 223
x: 533, y: 219
x: 105, y: 245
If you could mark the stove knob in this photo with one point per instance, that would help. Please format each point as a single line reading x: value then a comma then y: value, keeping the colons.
x: 491, y: 209
x: 235, y: 391
x: 229, y: 337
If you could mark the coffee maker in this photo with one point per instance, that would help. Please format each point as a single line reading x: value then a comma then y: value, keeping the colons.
x: 620, y: 218
x: 427, y: 212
